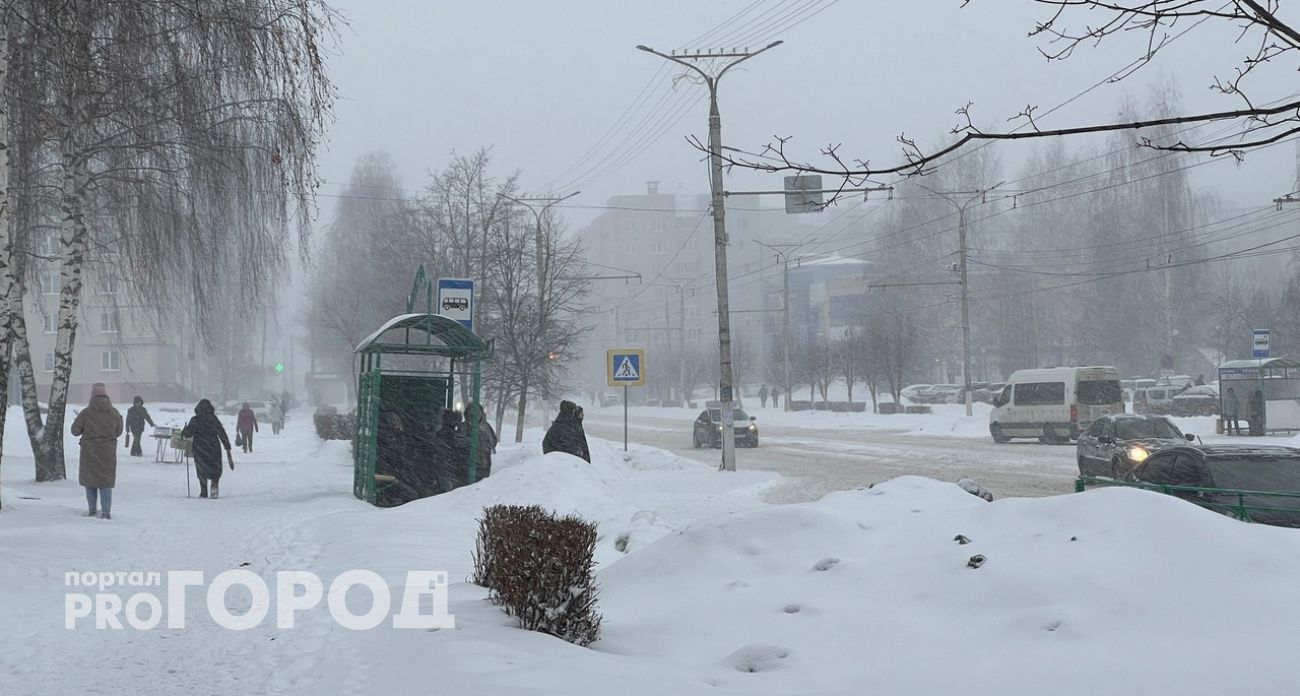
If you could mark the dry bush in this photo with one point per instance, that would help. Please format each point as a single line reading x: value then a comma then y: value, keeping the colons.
x: 540, y: 569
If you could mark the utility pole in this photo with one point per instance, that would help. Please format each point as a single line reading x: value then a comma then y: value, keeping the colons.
x: 725, y: 386
x: 960, y: 200
x: 784, y: 256
x: 538, y: 205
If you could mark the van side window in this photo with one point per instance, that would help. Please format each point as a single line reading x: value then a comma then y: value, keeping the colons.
x: 1040, y: 394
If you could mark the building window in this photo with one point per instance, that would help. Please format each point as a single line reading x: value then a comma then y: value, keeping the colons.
x: 688, y: 267
x: 50, y: 283
x: 692, y: 244
x: 49, y: 246
x: 108, y: 322
x: 107, y: 284
x: 49, y: 362
x: 108, y: 361
x: 661, y: 248
x: 693, y: 334
x: 50, y: 322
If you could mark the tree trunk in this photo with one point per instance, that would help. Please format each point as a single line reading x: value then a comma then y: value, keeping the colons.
x: 523, y: 407
x: 7, y: 269
x: 47, y: 438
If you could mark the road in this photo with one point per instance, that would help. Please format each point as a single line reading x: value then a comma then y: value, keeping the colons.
x: 817, y: 462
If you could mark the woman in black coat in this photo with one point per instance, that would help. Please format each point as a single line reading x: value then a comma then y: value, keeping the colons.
x: 208, y: 438
x: 566, y: 434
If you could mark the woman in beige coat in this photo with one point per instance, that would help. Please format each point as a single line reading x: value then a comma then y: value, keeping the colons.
x: 98, y: 425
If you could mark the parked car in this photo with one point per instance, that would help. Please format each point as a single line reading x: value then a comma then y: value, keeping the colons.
x: 1113, y: 445
x: 940, y: 394
x: 1201, y: 400
x: 1056, y: 404
x: 707, y: 431
x: 1265, y: 479
x: 1158, y: 399
x: 989, y: 391
x: 975, y: 387
x: 912, y: 391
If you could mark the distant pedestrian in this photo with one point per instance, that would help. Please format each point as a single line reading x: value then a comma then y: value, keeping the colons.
x: 1255, y: 414
x: 286, y: 400
x: 136, y: 417
x: 566, y: 434
x: 208, y: 438
x: 277, y: 416
x: 762, y: 395
x: 98, y: 425
x: 776, y: 397
x: 1231, y: 412
x: 245, y: 426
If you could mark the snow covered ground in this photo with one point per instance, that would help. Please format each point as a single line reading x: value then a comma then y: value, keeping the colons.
x: 706, y: 587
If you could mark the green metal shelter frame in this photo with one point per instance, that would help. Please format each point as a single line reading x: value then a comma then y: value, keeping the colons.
x: 420, y: 392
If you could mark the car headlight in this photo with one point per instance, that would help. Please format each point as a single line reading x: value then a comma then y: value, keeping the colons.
x: 1137, y: 454
x: 753, y: 428
x: 719, y: 428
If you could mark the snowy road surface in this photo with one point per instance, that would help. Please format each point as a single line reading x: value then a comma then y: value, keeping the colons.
x: 837, y: 456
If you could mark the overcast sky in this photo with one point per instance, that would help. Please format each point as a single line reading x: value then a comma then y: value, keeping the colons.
x: 540, y: 82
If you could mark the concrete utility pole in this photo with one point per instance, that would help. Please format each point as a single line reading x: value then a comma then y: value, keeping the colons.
x: 538, y: 205
x: 725, y: 386
x: 960, y: 200
x: 784, y: 256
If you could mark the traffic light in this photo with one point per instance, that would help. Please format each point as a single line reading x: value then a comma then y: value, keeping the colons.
x: 278, y: 367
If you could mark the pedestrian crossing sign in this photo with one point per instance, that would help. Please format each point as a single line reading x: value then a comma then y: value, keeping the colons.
x: 625, y: 367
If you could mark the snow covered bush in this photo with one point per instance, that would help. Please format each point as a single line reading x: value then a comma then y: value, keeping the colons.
x: 540, y: 569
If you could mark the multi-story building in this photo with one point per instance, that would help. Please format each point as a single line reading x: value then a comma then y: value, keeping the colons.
x: 117, y: 343
x: 668, y: 239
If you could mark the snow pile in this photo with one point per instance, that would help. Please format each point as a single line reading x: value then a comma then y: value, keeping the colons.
x: 704, y: 588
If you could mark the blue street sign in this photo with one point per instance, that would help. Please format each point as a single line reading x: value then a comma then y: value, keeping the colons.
x: 456, y: 300
x: 1259, y: 344
x: 625, y: 367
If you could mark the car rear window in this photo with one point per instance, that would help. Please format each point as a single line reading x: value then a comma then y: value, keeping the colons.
x: 1099, y: 392
x: 1040, y: 394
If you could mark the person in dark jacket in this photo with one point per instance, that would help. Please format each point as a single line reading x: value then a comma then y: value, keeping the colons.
x: 208, y: 438
x: 762, y: 395
x: 451, y: 452
x: 1255, y: 413
x: 487, y: 440
x: 565, y: 433
x: 1231, y: 413
x: 136, y: 417
x: 246, y: 426
x: 98, y: 425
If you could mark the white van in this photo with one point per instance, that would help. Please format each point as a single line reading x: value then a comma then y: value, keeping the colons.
x: 1055, y: 404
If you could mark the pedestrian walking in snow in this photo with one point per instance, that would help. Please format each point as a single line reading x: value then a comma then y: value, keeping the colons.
x: 776, y: 397
x: 566, y: 434
x: 762, y: 395
x: 98, y: 425
x: 1231, y: 413
x: 208, y: 438
x: 277, y: 416
x: 246, y: 426
x: 136, y: 417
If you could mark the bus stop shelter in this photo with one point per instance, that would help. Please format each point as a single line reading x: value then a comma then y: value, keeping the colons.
x: 410, y: 366
x: 1277, y: 379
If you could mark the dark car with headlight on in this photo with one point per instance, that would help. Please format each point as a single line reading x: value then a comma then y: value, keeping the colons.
x: 1114, y: 445
x: 708, y: 429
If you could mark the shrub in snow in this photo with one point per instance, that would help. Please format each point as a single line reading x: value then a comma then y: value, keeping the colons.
x: 332, y: 426
x: 540, y: 569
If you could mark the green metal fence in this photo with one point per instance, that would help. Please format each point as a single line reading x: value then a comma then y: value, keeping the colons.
x: 1266, y: 507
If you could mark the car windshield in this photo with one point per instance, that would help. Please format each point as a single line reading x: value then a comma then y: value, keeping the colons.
x: 1141, y: 428
x: 716, y: 416
x: 1099, y: 392
x: 1270, y: 474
